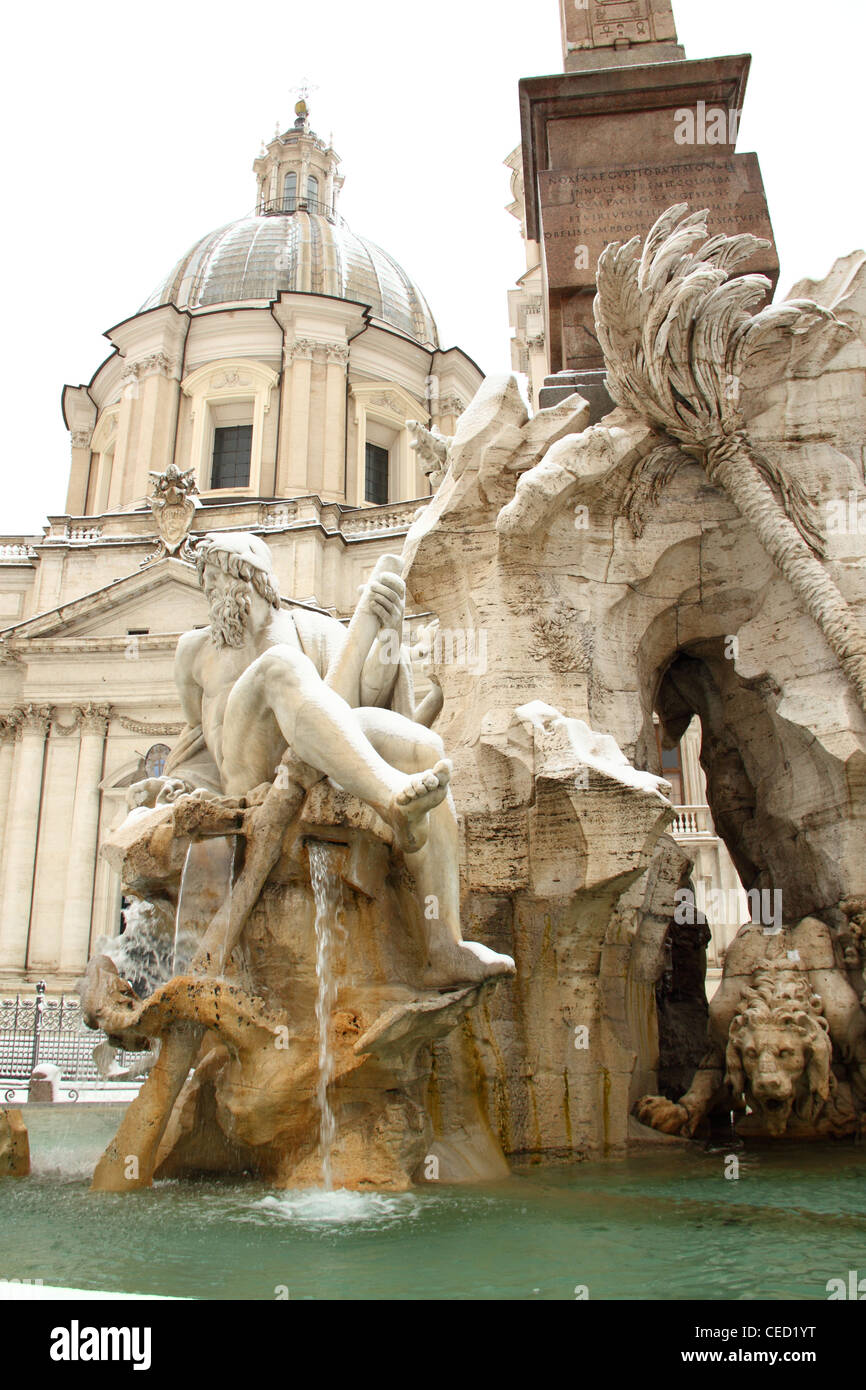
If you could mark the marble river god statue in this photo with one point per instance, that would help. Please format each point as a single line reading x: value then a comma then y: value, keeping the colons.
x: 300, y: 734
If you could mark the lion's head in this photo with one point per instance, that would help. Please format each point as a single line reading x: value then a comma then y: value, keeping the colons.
x: 779, y: 1052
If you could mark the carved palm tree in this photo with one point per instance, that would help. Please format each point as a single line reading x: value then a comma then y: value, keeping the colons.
x: 681, y: 347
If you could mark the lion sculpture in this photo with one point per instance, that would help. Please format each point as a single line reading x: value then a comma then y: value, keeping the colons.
x: 787, y: 1040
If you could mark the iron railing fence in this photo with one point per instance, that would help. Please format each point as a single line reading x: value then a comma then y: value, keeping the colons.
x: 289, y: 205
x: 36, y: 1030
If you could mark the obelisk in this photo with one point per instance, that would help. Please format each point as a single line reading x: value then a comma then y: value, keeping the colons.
x: 629, y: 128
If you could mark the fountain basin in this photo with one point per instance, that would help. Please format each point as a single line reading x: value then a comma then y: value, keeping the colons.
x: 666, y: 1225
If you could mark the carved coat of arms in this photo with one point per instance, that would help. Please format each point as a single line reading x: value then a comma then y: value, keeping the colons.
x: 173, y: 503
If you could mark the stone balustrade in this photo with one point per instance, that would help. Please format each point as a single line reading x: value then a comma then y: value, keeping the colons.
x: 692, y: 820
x: 371, y: 523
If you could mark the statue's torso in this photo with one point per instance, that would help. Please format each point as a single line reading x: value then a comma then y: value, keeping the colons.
x: 218, y: 670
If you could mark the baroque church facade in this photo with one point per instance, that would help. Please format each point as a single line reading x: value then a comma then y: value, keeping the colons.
x: 270, y: 383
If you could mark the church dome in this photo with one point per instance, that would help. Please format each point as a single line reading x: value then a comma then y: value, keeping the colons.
x: 301, y: 251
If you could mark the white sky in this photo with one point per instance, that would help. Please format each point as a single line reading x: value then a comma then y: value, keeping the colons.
x: 130, y: 131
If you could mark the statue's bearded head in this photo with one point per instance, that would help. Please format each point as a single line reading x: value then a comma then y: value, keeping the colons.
x: 234, y: 569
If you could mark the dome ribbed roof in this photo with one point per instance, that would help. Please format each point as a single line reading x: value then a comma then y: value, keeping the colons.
x: 305, y: 252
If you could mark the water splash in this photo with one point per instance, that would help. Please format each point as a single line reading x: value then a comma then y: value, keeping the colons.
x: 157, y: 943
x: 144, y: 954
x: 328, y: 895
x: 339, y: 1207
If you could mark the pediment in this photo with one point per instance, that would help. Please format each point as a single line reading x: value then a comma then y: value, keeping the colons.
x: 163, y: 598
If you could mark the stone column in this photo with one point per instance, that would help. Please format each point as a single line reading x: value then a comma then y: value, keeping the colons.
x: 52, y: 848
x: 81, y: 865
x: 334, y: 460
x: 79, y: 472
x: 403, y: 484
x: 79, y: 413
x: 120, y: 489
x: 292, y: 476
x: 355, y: 489
x: 158, y: 383
x: 20, y: 839
x: 8, y: 729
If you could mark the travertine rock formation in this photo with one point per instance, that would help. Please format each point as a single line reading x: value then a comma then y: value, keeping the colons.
x: 684, y: 556
x: 14, y: 1145
x: 253, y: 1100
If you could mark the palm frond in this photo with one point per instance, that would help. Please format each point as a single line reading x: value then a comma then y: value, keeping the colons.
x: 682, y: 337
x: 682, y: 347
x: 647, y: 480
x: 657, y: 236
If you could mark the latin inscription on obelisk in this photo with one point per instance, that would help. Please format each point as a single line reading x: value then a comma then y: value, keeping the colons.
x: 585, y: 209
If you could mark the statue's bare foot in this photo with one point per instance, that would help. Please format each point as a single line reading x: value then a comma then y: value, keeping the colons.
x: 464, y: 962
x: 412, y: 804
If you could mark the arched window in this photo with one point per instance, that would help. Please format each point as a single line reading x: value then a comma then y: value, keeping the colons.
x: 228, y: 414
x: 290, y: 192
x: 313, y: 189
x: 155, y: 759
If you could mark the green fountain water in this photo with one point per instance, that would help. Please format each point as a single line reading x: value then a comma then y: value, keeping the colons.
x: 666, y: 1225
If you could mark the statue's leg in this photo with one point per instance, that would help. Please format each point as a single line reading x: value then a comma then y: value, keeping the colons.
x: 435, y: 867
x: 283, y: 688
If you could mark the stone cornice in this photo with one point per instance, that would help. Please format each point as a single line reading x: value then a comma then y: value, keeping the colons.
x: 389, y: 397
x: 62, y: 646
x: 8, y: 655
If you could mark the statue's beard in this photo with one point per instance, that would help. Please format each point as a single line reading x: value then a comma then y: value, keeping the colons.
x: 229, y: 616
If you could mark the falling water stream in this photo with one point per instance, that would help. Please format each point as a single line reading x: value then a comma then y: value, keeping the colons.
x: 178, y: 909
x: 328, y: 894
x: 206, y: 886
